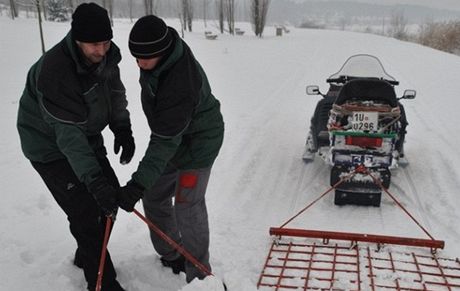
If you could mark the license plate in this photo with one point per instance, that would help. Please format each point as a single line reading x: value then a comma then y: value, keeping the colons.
x: 364, y: 121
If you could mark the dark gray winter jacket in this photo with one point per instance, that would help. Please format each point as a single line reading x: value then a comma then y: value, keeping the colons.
x: 66, y: 105
x: 186, y: 124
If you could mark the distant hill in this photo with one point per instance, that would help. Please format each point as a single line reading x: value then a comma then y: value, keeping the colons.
x: 295, y: 12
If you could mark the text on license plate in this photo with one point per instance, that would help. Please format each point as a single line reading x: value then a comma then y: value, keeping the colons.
x: 364, y: 121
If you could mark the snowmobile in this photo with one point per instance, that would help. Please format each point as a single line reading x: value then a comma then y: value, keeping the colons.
x: 359, y: 122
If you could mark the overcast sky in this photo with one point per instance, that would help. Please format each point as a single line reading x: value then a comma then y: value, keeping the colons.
x: 444, y: 4
x: 440, y: 4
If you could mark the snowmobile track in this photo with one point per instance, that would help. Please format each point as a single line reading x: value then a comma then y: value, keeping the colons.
x: 416, y: 196
x: 313, y: 171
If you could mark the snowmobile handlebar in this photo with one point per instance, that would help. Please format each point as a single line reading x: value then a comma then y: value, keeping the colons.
x: 343, y: 79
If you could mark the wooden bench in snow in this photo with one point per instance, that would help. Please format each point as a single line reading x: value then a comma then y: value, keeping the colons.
x: 239, y: 31
x: 210, y: 35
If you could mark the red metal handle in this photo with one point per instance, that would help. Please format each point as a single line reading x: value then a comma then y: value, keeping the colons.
x: 175, y: 245
x: 100, y: 272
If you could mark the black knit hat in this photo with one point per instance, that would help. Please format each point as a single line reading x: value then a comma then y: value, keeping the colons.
x: 149, y: 38
x: 91, y: 23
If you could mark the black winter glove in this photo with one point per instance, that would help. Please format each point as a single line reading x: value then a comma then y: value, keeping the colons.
x: 125, y: 140
x: 105, y: 195
x: 129, y: 195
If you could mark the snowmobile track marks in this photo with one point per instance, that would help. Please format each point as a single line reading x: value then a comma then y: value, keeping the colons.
x: 313, y: 171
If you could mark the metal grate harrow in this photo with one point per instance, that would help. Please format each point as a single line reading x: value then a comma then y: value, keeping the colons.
x: 301, y: 259
x: 314, y: 265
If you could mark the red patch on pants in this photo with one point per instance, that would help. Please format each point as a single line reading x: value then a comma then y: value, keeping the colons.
x: 186, y: 180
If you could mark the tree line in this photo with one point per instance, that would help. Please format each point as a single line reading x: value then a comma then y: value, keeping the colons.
x: 224, y: 11
x: 440, y: 35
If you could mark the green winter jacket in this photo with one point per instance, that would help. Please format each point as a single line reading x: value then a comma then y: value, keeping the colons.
x: 66, y: 105
x: 184, y: 117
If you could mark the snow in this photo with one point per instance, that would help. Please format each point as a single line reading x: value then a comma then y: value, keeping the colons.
x: 259, y: 179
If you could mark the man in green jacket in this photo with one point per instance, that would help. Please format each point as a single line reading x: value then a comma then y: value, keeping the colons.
x: 72, y: 93
x: 186, y: 135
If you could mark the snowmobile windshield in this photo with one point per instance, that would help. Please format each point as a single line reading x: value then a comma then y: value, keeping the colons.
x: 362, y: 66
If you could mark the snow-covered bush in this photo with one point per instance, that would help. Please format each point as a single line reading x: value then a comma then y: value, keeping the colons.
x: 443, y: 36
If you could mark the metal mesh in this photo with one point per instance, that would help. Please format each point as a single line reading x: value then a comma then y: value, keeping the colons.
x: 317, y: 266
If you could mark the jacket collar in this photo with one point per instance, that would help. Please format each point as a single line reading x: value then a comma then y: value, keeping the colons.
x: 112, y: 58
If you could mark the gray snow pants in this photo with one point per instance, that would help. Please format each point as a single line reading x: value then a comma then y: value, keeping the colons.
x: 185, y: 221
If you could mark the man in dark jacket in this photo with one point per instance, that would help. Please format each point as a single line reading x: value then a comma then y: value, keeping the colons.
x: 72, y: 93
x: 186, y: 135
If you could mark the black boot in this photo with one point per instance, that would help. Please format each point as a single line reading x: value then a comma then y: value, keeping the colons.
x: 113, y: 286
x: 177, y: 265
x: 78, y: 260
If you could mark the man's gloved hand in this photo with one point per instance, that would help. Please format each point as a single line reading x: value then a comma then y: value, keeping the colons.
x: 105, y: 195
x: 129, y: 195
x: 125, y: 140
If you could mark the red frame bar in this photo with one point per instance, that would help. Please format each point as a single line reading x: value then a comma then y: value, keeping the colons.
x: 381, y: 239
x: 358, y: 271
x: 371, y: 269
x: 310, y: 263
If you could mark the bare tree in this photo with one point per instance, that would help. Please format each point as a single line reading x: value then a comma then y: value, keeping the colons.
x: 398, y: 25
x: 229, y: 9
x: 190, y: 15
x: 108, y: 5
x: 343, y: 22
x: 38, y: 4
x: 451, y: 37
x: 220, y: 14
x: 13, y: 9
x: 130, y: 3
x: 259, y: 10
x: 182, y: 24
x: 71, y: 6
x: 110, y: 10
x: 184, y: 10
x: 187, y: 14
x: 43, y: 8
x: 205, y: 11
x: 148, y: 5
x: 428, y: 31
x: 443, y: 36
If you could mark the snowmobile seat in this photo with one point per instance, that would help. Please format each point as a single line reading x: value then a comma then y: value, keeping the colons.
x: 368, y: 89
x: 334, y: 90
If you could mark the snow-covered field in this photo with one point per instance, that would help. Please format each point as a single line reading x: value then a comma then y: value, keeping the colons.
x: 259, y: 179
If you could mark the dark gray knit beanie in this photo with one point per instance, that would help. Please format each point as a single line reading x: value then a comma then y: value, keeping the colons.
x: 149, y: 38
x: 91, y: 23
